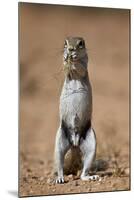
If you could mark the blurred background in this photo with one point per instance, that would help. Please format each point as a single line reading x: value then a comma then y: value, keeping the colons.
x: 42, y: 30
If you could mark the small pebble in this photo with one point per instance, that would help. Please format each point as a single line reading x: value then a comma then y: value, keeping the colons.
x: 126, y: 171
x: 29, y: 170
x: 100, y: 179
x: 25, y: 179
x: 47, y: 172
x: 76, y: 178
x: 114, y: 185
x: 50, y: 181
x: 70, y: 176
x: 70, y: 189
x: 42, y: 178
x: 76, y: 183
x: 34, y: 177
x: 41, y: 162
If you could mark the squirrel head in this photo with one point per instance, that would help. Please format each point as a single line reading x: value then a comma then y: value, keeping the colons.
x: 75, y: 57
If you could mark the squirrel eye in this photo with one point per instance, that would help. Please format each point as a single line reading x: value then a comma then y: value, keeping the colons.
x: 81, y: 44
x: 65, y: 43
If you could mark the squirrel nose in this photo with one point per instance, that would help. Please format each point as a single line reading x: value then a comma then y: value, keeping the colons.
x: 71, y: 48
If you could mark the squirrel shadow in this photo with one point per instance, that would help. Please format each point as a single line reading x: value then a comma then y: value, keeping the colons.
x: 99, y: 167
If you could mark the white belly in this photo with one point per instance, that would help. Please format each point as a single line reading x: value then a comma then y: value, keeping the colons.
x: 75, y: 103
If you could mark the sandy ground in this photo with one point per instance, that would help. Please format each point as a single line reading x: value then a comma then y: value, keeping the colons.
x: 42, y: 32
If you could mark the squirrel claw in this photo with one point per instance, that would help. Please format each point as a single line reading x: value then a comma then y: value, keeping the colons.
x: 59, y: 180
x: 91, y: 178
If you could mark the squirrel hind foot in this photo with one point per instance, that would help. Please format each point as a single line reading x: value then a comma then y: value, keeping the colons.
x: 59, y: 180
x: 90, y: 178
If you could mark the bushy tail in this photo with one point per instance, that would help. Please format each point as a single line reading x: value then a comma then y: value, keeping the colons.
x: 99, y: 165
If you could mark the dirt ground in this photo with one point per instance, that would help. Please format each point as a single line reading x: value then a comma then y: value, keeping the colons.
x: 41, y: 34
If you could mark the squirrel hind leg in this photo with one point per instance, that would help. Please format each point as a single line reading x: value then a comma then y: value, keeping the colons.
x: 88, y: 149
x: 61, y: 147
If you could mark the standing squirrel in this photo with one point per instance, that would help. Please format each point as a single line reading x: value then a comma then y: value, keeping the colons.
x: 75, y: 135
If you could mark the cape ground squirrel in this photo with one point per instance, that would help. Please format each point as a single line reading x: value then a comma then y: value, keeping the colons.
x: 75, y: 133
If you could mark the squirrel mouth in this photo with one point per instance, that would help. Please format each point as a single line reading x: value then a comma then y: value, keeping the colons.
x: 73, y: 58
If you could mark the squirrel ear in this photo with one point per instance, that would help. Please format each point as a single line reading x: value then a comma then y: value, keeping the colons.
x: 81, y: 44
x: 65, y: 43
